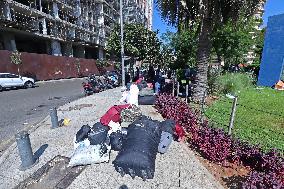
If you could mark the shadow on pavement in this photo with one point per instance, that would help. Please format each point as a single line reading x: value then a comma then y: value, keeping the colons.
x: 40, y: 151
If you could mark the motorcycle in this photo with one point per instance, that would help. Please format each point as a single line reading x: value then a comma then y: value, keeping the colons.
x: 91, y: 86
x: 97, y: 84
x: 113, y: 80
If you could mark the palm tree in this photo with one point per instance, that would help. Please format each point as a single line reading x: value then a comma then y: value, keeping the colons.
x: 207, y: 13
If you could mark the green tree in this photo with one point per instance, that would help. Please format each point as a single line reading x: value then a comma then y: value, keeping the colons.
x: 167, y: 57
x: 207, y: 13
x: 259, y: 43
x: 139, y: 42
x: 16, y: 59
x: 183, y: 45
x: 233, y: 40
x: 167, y: 49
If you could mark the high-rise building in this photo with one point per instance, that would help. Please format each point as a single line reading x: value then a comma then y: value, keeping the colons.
x: 250, y: 56
x: 138, y: 11
x: 72, y: 28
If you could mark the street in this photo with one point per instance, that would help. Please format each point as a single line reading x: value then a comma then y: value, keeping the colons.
x: 22, y: 108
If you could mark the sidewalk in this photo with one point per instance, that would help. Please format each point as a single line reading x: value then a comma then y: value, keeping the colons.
x: 178, y: 168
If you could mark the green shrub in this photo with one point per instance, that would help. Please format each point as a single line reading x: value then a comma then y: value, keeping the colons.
x: 233, y: 83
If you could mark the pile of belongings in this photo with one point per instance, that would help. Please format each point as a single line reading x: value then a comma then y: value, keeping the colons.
x: 137, y: 145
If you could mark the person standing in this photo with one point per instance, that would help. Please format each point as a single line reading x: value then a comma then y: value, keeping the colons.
x: 187, y: 74
x: 151, y: 75
x: 137, y: 73
x: 127, y: 80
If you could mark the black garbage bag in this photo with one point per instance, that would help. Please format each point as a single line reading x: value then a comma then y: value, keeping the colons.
x: 147, y: 100
x: 168, y: 126
x: 138, y: 154
x: 116, y: 139
x: 124, y: 132
x: 98, y: 134
x: 82, y: 134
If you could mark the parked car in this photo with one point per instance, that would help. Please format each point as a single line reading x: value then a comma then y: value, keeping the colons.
x: 8, y: 80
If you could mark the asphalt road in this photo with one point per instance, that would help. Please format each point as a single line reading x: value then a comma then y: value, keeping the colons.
x: 22, y: 108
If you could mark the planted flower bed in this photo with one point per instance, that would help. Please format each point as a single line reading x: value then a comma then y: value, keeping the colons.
x: 215, y: 145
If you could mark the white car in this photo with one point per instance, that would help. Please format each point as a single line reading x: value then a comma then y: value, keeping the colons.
x: 8, y: 80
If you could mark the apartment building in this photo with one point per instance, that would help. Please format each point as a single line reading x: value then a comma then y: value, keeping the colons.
x: 71, y: 28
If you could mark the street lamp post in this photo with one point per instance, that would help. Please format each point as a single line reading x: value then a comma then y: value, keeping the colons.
x: 121, y: 43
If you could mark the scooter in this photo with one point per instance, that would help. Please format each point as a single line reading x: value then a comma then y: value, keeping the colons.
x: 113, y: 80
x: 88, y: 90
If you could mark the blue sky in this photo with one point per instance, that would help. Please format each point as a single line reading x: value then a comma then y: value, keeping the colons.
x: 272, y: 7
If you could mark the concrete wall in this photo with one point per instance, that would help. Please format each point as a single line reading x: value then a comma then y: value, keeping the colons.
x: 273, y: 52
x: 47, y: 67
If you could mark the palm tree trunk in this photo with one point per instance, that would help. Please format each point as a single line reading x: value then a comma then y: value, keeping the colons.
x: 203, y: 55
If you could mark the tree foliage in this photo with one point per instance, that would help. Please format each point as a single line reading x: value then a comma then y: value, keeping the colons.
x: 16, y: 59
x: 206, y: 13
x: 188, y: 12
x: 232, y: 41
x: 139, y: 42
x: 183, y: 46
x: 167, y: 57
x: 259, y: 44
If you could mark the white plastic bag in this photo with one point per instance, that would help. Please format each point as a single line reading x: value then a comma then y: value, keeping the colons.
x: 83, y: 143
x: 124, y: 97
x: 114, y: 127
x: 84, y: 155
x: 133, y: 95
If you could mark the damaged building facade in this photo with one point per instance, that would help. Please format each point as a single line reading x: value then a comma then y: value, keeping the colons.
x: 71, y: 28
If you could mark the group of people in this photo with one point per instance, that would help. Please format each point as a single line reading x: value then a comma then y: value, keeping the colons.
x: 152, y: 76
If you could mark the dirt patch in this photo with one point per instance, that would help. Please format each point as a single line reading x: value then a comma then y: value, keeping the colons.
x: 210, y: 100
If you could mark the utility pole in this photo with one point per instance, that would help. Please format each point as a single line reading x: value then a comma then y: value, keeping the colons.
x: 121, y: 43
